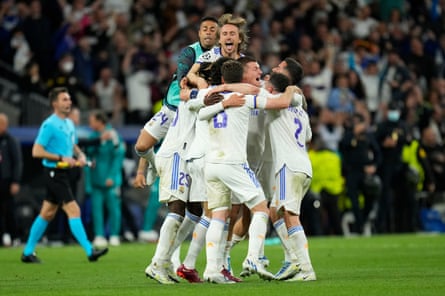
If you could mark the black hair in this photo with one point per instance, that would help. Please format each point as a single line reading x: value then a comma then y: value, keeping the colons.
x: 214, y: 73
x: 279, y: 81
x: 232, y: 71
x: 100, y: 116
x: 208, y: 18
x: 244, y: 60
x: 54, y: 93
x: 295, y: 70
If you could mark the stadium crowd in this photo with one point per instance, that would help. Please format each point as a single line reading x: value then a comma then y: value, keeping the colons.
x: 374, y: 77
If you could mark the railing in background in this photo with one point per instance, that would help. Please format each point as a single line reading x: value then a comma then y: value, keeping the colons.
x: 22, y: 108
x: 35, y: 108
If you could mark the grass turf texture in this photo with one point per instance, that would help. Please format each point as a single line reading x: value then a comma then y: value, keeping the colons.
x: 379, y: 265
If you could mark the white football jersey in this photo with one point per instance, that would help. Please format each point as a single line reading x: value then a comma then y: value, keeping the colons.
x: 200, y: 143
x: 180, y: 133
x: 228, y: 131
x: 289, y: 131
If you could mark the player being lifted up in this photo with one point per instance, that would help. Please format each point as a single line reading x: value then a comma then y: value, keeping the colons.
x: 156, y: 128
x: 232, y: 40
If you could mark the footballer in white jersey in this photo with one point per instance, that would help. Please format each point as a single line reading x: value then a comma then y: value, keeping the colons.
x: 227, y: 171
x: 289, y: 131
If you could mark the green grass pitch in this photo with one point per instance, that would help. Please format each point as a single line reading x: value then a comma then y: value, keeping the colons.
x: 411, y: 264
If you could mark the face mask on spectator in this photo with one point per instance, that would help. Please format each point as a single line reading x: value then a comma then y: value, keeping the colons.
x: 393, y: 115
x: 67, y: 67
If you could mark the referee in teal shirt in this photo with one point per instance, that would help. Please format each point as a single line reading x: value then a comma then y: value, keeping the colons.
x: 56, y: 145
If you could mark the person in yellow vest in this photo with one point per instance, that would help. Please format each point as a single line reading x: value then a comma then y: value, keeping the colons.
x: 328, y: 183
x: 419, y: 178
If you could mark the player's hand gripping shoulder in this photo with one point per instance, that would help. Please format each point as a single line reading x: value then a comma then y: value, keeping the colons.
x: 234, y: 100
x: 213, y: 99
x: 297, y: 98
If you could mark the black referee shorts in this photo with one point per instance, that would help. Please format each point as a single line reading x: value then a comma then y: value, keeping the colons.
x: 58, y: 186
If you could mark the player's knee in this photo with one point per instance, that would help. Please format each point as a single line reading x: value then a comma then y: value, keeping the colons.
x: 177, y: 207
x: 195, y: 208
x: 258, y: 205
x: 273, y: 215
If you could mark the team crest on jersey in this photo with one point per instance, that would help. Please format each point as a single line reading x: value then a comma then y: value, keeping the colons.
x: 206, y: 55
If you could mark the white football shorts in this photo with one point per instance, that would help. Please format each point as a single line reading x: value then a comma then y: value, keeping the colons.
x: 291, y: 188
x: 223, y: 179
x: 174, y: 180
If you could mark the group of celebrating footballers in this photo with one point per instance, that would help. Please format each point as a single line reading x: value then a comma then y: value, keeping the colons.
x: 217, y: 142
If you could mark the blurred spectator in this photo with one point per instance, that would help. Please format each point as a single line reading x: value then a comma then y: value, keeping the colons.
x: 290, y: 35
x: 421, y: 64
x: 306, y: 53
x: 440, y: 56
x: 344, y: 28
x: 418, y: 178
x: 330, y: 129
x: 11, y: 166
x: 356, y: 85
x: 341, y: 99
x: 397, y: 21
x: 84, y: 62
x: 118, y: 48
x: 416, y: 111
x: 438, y: 123
x: 313, y: 107
x: 37, y: 29
x: 363, y: 23
x: 64, y: 76
x: 22, y: 52
x: 32, y: 81
x: 395, y: 79
x: 435, y: 153
x: 11, y: 17
x: 370, y: 78
x: 140, y: 66
x: 108, y: 92
x: 319, y: 77
x: 104, y: 179
x: 101, y: 29
x: 273, y: 40
x: 327, y: 182
x: 173, y: 20
x: 391, y: 135
x: 360, y: 159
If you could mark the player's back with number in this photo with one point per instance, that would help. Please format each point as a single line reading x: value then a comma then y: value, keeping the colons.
x: 290, y: 130
x: 229, y: 127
